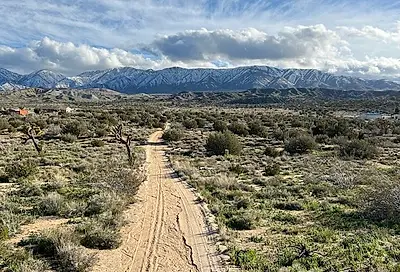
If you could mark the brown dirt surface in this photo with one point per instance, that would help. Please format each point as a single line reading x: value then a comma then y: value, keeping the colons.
x: 166, y: 229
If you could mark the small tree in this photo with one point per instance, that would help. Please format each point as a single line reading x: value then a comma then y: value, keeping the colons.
x: 220, y: 143
x: 117, y: 131
x: 300, y: 145
x: 31, y: 133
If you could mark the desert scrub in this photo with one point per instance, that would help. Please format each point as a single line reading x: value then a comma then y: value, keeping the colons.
x: 75, y: 127
x: 382, y: 202
x: 272, y: 152
x: 358, y: 149
x: 105, y: 201
x: 20, y: 260
x: 173, y: 135
x: 220, y: 126
x: 300, y: 145
x: 221, y: 143
x: 239, y: 129
x: 51, y: 204
x: 98, y: 234
x: 62, y: 248
x: 69, y: 138
x: 21, y: 169
x: 97, y: 143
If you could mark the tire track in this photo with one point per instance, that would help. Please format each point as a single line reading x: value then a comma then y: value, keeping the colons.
x: 166, y: 230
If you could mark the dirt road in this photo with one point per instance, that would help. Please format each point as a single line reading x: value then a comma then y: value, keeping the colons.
x: 166, y: 229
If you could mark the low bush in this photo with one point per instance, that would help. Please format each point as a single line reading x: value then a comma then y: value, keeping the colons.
x: 358, y: 149
x: 272, y: 152
x: 105, y: 201
x: 69, y: 138
x: 221, y: 143
x: 272, y: 169
x: 51, y: 204
x: 220, y: 126
x: 239, y: 129
x: 300, y: 145
x: 76, y: 128
x: 289, y: 206
x: 97, y: 143
x: 21, y: 169
x: 62, y: 248
x: 173, y: 135
x: 97, y: 235
x: 190, y: 123
x: 382, y: 202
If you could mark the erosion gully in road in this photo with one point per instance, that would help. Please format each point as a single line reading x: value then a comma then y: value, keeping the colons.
x: 166, y: 228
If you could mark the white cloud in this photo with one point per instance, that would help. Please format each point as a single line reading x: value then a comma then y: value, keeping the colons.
x: 290, y: 43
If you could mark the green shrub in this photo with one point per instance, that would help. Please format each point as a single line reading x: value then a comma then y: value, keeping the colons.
x: 10, y: 223
x: 220, y: 126
x: 97, y: 143
x: 101, y: 132
x: 200, y: 122
x: 173, y: 135
x: 382, y: 202
x: 4, y: 124
x: 189, y: 123
x: 52, y: 204
x: 300, y: 145
x: 21, y: 169
x: 238, y: 169
x: 99, y: 236
x: 239, y: 129
x: 69, y: 138
x: 241, y: 222
x: 105, y: 201
x: 271, y: 152
x: 250, y: 260
x: 256, y: 128
x: 76, y: 128
x: 221, y: 142
x: 272, y: 169
x: 62, y: 248
x: 358, y: 149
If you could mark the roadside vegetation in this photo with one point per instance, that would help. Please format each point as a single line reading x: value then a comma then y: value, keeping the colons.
x: 296, y: 190
x: 77, y: 184
x: 293, y: 187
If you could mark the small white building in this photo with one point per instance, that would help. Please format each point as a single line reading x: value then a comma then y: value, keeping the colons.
x: 69, y: 110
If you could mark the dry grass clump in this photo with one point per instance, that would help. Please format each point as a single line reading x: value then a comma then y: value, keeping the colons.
x: 62, y: 247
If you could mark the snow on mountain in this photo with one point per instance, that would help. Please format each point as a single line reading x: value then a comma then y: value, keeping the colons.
x: 8, y: 76
x: 11, y: 87
x: 175, y: 79
x: 41, y: 79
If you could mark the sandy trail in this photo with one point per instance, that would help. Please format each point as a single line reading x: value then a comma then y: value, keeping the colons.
x: 166, y: 229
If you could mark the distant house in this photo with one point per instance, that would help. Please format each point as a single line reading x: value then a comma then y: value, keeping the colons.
x: 69, y: 110
x: 22, y: 112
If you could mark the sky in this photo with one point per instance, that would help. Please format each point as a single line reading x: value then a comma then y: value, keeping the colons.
x: 349, y: 37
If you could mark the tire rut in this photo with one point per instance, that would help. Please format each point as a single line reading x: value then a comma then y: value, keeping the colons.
x: 166, y: 229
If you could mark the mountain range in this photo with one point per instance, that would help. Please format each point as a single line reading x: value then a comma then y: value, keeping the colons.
x: 174, y: 80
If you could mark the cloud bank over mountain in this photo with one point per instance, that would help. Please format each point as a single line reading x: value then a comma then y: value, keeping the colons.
x: 74, y: 36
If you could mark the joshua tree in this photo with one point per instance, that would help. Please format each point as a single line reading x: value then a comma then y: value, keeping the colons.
x: 31, y: 133
x: 117, y: 131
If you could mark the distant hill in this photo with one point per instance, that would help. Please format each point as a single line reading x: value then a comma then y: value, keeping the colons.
x: 175, y: 80
x: 267, y: 96
x: 62, y: 95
